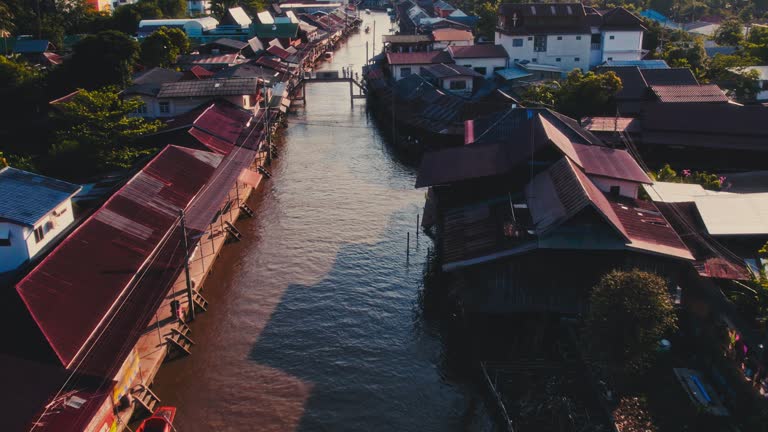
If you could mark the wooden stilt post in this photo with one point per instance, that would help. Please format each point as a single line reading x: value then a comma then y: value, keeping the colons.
x: 186, y: 266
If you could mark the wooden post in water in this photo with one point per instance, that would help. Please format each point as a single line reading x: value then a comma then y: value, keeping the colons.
x: 186, y: 266
x: 408, y: 244
x: 367, y: 58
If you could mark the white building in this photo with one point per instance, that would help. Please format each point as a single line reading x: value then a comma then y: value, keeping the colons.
x: 405, y: 64
x: 762, y: 80
x: 568, y: 35
x: 198, y: 7
x: 33, y: 210
x: 483, y: 59
x: 193, y: 27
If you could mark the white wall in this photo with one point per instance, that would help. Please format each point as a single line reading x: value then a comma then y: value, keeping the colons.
x: 622, y: 45
x: 626, y: 188
x: 396, y: 70
x: 488, y: 63
x: 447, y: 84
x: 441, y: 45
x: 23, y: 244
x: 198, y: 6
x: 571, y: 49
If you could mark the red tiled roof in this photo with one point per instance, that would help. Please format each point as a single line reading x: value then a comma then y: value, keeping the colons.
x: 425, y: 57
x: 689, y: 93
x: 87, y: 287
x: 478, y: 51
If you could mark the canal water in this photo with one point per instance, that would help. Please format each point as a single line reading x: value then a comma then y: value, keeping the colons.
x: 315, y: 322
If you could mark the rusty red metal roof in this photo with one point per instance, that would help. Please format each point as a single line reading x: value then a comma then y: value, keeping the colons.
x: 279, y: 52
x: 478, y: 51
x: 423, y: 57
x: 86, y: 286
x: 219, y: 126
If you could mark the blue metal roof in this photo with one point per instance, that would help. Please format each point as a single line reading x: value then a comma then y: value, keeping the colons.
x: 26, y: 197
x: 513, y: 72
x: 31, y: 46
x: 642, y: 64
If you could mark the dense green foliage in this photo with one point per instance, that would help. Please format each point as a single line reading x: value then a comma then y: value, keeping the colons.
x: 579, y: 95
x: 163, y: 46
x: 706, y: 180
x: 97, y: 132
x: 106, y: 58
x: 630, y: 312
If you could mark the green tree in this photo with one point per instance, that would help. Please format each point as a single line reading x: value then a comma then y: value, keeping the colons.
x: 730, y: 33
x: 179, y: 39
x: 172, y: 8
x: 219, y: 7
x: 541, y: 95
x: 97, y: 131
x: 158, y: 49
x: 629, y: 313
x: 253, y: 7
x: 745, y: 85
x: 720, y: 64
x: 691, y: 54
x: 126, y: 18
x: 587, y: 94
x: 488, y: 14
x: 106, y: 58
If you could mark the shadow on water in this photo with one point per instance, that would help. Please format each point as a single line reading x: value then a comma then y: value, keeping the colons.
x: 363, y: 342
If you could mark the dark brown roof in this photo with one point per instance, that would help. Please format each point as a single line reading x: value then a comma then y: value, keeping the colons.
x: 229, y: 43
x: 502, y: 156
x: 702, y: 93
x: 210, y: 88
x: 443, y: 70
x: 478, y: 51
x: 621, y: 19
x: 671, y: 76
x: 725, y: 126
x: 543, y: 18
x: 430, y: 57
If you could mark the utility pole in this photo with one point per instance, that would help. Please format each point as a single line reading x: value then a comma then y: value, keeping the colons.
x: 186, y: 266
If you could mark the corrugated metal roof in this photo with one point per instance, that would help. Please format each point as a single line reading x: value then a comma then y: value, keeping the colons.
x: 642, y: 64
x: 563, y: 190
x: 276, y: 30
x: 230, y: 43
x: 236, y: 16
x: 449, y: 34
x: 218, y: 59
x: 219, y: 126
x: 513, y: 72
x: 734, y: 214
x: 396, y: 39
x: 478, y: 51
x: 26, y: 197
x: 689, y: 93
x: 210, y: 88
x: 443, y: 70
x: 31, y: 46
x: 424, y: 57
x: 77, y: 286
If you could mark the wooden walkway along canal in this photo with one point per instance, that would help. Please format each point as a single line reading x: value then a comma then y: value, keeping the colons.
x: 330, y: 77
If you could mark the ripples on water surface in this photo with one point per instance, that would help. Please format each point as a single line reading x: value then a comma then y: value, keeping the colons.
x: 314, y: 322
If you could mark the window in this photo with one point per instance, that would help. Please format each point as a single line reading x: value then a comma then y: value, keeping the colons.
x: 530, y: 37
x: 557, y: 59
x: 615, y: 190
x: 404, y: 72
x: 540, y: 44
x: 518, y: 42
x: 578, y: 37
x: 612, y: 37
x: 458, y: 85
x: 559, y: 38
x: 533, y: 60
x: 39, y: 234
x: 481, y: 70
x: 5, y: 237
x: 141, y: 110
x: 577, y: 59
x: 165, y: 107
x: 610, y: 58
